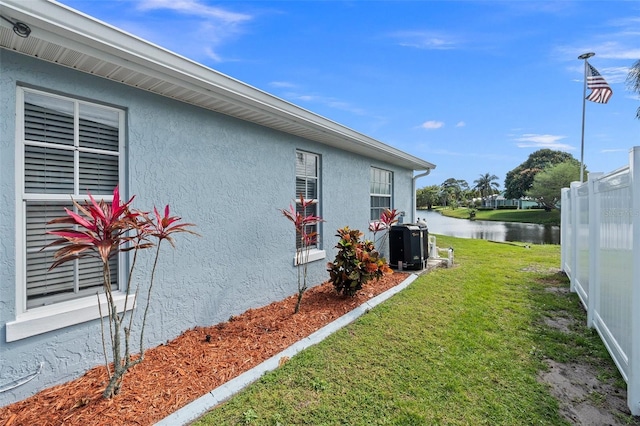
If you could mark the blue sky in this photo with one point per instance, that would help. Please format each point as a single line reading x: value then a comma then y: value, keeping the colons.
x: 473, y: 87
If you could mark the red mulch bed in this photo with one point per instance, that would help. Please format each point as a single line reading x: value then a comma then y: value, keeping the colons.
x: 174, y: 374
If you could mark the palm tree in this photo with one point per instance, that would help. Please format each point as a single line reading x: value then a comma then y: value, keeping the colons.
x: 451, y: 191
x: 427, y: 196
x: 633, y: 81
x: 486, y: 184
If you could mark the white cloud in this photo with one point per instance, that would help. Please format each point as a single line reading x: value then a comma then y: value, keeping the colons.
x: 429, y: 40
x: 615, y: 75
x: 461, y: 124
x: 532, y: 140
x: 282, y: 84
x: 627, y: 22
x: 617, y: 40
x: 207, y: 28
x: 432, y: 124
x: 325, y: 100
x: 617, y: 50
x: 211, y: 54
x: 300, y: 97
x: 193, y: 7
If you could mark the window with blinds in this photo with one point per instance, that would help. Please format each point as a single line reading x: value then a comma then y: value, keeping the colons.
x: 381, y: 190
x: 307, y: 184
x: 70, y: 147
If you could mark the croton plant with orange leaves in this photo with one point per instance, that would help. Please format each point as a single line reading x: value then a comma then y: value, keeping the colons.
x: 356, y: 263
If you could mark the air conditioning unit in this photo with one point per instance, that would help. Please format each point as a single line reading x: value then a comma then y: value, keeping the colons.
x: 408, y: 246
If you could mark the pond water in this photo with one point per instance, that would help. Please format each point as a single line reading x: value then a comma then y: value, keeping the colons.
x: 490, y: 230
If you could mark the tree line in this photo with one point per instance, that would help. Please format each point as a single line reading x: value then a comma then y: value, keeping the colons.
x: 540, y: 178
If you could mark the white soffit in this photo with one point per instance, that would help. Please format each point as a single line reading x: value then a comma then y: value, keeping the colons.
x: 72, y: 39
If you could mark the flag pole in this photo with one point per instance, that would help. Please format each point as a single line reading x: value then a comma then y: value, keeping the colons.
x: 584, y: 56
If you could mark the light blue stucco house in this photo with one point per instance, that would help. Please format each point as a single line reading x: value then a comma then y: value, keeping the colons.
x: 86, y: 106
x: 498, y: 201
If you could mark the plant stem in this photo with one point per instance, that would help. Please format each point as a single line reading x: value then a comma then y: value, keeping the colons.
x: 116, y: 378
x: 146, y: 308
x: 129, y: 279
x: 104, y: 344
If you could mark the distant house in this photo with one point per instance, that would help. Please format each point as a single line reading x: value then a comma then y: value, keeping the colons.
x: 498, y: 201
x: 86, y: 106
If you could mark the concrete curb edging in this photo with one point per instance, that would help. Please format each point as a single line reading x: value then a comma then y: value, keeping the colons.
x: 200, y: 406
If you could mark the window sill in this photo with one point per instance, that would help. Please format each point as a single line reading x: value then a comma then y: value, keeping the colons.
x: 314, y: 254
x: 60, y: 315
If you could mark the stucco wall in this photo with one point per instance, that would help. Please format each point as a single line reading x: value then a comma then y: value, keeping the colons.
x: 227, y: 176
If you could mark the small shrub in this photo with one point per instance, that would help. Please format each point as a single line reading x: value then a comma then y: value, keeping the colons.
x: 388, y: 218
x: 305, y: 228
x: 101, y: 230
x: 356, y: 263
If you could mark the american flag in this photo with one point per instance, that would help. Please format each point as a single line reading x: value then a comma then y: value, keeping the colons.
x: 601, y: 92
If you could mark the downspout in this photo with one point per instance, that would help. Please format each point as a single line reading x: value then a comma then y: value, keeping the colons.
x: 413, y: 203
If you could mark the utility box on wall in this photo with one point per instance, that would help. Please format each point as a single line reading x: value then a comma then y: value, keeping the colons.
x: 408, y: 246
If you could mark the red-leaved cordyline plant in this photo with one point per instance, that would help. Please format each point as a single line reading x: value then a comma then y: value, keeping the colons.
x: 302, y: 222
x: 102, y: 230
x: 387, y: 219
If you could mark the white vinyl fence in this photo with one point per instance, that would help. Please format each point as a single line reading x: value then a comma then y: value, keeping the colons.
x: 600, y: 238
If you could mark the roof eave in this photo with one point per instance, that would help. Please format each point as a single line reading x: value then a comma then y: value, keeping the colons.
x: 52, y: 22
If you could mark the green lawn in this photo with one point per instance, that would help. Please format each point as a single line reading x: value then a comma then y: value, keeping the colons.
x: 526, y: 215
x: 459, y: 346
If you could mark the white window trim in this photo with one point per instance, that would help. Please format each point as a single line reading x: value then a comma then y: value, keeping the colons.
x: 314, y: 255
x: 315, y: 252
x: 64, y: 314
x: 34, y: 321
x: 391, y: 188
